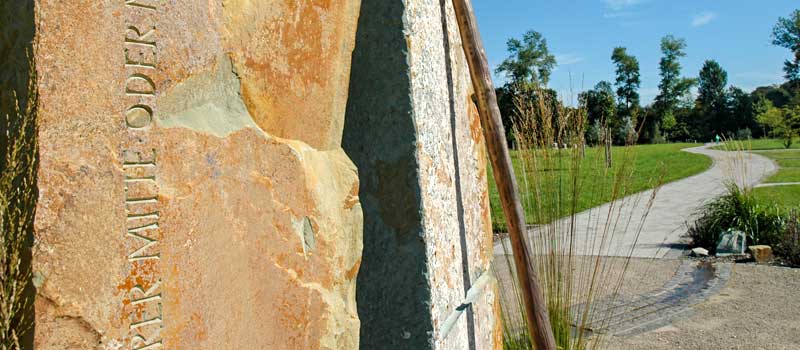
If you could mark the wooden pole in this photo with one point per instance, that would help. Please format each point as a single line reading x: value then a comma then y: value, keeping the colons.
x: 538, y: 320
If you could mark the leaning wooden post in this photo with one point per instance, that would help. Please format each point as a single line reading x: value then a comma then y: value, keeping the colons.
x: 538, y: 320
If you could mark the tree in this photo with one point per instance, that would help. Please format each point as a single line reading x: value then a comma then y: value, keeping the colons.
x: 711, y: 103
x: 528, y: 69
x: 672, y: 87
x: 781, y: 122
x: 529, y: 62
x: 508, y: 111
x: 628, y: 79
x: 743, y: 111
x: 712, y: 82
x: 517, y: 100
x: 786, y: 34
x: 779, y: 95
x: 601, y: 114
x: 600, y: 104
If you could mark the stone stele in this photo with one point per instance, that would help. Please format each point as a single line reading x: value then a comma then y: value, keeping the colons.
x: 203, y: 167
x: 414, y: 133
x: 193, y: 189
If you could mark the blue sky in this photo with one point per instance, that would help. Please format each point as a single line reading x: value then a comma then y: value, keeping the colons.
x: 583, y: 33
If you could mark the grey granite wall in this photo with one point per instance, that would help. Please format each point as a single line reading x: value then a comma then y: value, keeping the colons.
x: 392, y: 293
x: 416, y: 139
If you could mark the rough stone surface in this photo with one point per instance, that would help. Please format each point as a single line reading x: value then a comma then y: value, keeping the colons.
x: 731, y: 242
x: 699, y: 252
x: 422, y: 166
x: 193, y: 191
x: 761, y: 253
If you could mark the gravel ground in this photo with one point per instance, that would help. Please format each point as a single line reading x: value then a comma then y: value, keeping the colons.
x: 642, y: 276
x: 759, y: 308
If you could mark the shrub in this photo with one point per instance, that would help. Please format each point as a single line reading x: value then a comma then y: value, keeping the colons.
x: 744, y: 134
x: 789, y: 245
x: 737, y: 209
x: 593, y: 134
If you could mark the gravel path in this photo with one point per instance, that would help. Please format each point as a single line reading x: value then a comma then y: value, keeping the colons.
x: 757, y: 309
x: 642, y: 277
x: 661, y: 232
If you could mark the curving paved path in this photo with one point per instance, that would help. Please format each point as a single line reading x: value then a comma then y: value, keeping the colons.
x: 662, y: 231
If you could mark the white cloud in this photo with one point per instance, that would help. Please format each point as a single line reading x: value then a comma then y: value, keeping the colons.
x: 567, y: 59
x: 617, y: 5
x: 618, y: 14
x: 702, y: 19
x: 621, y: 9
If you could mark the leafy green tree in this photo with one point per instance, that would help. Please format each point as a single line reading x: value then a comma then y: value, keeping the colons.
x: 529, y: 62
x: 628, y: 78
x: 512, y: 97
x: 779, y: 95
x: 528, y: 69
x: 601, y: 117
x: 786, y: 34
x: 781, y: 122
x: 771, y: 117
x: 711, y: 103
x: 743, y: 111
x: 508, y: 111
x: 600, y: 104
x: 672, y: 87
x: 711, y: 89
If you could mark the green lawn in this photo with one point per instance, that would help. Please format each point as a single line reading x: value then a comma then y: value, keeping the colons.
x: 788, y: 160
x: 762, y: 144
x: 785, y: 175
x: 595, y: 183
x: 786, y: 197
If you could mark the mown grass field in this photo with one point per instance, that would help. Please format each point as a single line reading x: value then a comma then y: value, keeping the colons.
x: 762, y: 144
x: 647, y: 166
x: 786, y: 197
x: 789, y: 162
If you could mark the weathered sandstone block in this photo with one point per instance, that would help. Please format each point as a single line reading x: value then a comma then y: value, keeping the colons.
x: 761, y: 253
x: 193, y: 191
x: 415, y: 135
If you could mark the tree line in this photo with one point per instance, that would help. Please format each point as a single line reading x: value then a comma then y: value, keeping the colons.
x: 613, y: 110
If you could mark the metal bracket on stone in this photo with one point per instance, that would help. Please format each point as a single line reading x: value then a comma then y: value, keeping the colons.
x: 472, y: 295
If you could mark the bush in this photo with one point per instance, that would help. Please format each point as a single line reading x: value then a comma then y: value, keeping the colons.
x: 592, y: 134
x: 744, y: 134
x: 737, y: 209
x: 789, y: 246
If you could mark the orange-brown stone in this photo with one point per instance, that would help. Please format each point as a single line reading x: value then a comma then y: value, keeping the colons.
x: 193, y: 190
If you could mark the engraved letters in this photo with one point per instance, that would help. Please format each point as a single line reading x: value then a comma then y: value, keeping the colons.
x: 142, y: 309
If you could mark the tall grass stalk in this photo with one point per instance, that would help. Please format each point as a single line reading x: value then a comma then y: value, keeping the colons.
x: 736, y: 165
x: 18, y: 196
x: 571, y: 256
